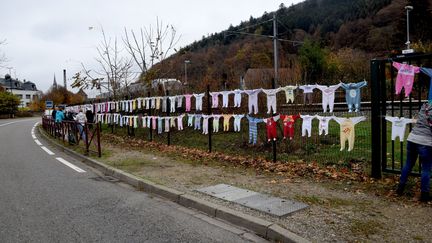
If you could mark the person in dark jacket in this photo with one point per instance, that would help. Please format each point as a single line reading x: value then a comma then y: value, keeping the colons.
x: 419, y: 145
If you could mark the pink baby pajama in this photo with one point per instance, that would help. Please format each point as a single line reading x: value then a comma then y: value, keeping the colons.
x: 215, y: 99
x: 188, y: 101
x: 405, y: 77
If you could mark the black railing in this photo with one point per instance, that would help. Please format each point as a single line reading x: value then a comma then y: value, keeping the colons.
x: 74, y: 133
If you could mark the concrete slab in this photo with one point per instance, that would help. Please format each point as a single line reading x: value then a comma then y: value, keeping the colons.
x: 261, y: 202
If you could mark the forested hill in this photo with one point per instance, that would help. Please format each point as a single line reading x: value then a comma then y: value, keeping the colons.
x: 363, y: 28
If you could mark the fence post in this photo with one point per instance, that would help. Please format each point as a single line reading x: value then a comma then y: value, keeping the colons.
x: 273, y: 141
x: 376, y: 119
x: 151, y: 120
x: 168, y: 114
x: 86, y: 139
x: 210, y: 124
x: 98, y: 142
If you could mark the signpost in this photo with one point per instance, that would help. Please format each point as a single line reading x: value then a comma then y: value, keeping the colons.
x: 48, y: 104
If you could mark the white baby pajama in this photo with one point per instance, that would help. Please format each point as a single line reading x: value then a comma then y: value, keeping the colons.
x: 398, y: 127
x: 237, y: 97
x: 172, y: 103
x: 271, y: 99
x: 215, y: 99
x: 205, y: 123
x: 323, y: 124
x: 253, y: 99
x: 180, y: 122
x: 225, y: 98
x: 198, y: 101
x: 307, y: 125
x: 328, y: 96
x: 237, y: 122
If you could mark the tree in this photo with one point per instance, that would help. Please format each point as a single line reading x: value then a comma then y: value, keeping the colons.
x: 312, y: 60
x: 150, y: 46
x: 114, y: 68
x: 8, y: 103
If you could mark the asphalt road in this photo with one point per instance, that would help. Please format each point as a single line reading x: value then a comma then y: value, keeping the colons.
x: 45, y: 200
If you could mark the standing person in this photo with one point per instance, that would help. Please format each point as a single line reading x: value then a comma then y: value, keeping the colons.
x: 53, y: 114
x: 419, y: 145
x: 90, y: 116
x: 81, y: 119
x: 59, y: 116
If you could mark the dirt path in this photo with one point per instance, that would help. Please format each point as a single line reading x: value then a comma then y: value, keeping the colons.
x: 339, y: 210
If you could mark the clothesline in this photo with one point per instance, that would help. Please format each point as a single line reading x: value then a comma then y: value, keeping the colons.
x: 201, y: 122
x: 352, y: 97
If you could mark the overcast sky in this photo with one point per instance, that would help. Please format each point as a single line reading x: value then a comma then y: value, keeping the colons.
x: 46, y: 36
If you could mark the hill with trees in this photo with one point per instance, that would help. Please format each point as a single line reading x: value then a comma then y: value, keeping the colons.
x: 325, y: 40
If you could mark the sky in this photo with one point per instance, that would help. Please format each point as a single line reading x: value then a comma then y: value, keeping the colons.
x: 44, y: 37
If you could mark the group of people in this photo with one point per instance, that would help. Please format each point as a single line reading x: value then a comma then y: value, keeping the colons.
x: 81, y: 118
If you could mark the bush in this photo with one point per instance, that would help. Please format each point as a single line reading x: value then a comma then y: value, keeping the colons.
x: 8, y: 103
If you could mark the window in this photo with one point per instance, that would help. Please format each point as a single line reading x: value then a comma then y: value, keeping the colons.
x: 19, y: 96
x: 28, y: 96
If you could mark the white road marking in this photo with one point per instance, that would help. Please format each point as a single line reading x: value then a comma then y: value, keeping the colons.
x: 33, y: 136
x: 38, y: 142
x: 7, y: 123
x: 47, y: 150
x: 76, y: 168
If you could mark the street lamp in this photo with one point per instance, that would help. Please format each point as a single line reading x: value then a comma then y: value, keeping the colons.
x: 186, y: 62
x: 408, y: 50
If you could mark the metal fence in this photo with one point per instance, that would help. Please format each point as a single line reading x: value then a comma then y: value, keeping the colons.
x: 324, y: 149
x: 70, y: 132
x: 388, y: 155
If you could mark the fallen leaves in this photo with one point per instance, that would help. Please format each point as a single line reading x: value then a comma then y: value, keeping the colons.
x: 297, y: 168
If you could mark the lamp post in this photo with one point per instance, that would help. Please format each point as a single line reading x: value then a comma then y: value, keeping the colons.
x: 408, y: 50
x: 186, y: 62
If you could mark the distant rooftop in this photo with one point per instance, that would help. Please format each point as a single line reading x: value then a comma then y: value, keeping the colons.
x: 7, y: 82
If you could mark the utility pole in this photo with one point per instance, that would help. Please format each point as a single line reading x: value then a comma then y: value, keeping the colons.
x: 408, y: 50
x: 275, y: 51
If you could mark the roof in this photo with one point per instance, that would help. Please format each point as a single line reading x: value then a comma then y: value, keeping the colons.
x: 17, y: 84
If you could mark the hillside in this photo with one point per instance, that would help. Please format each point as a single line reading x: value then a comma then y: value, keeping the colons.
x: 346, y: 30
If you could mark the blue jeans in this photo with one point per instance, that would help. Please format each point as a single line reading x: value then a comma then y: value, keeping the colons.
x: 424, y: 153
x: 81, y: 131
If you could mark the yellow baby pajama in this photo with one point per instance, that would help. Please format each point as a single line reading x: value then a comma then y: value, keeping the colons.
x: 226, y: 119
x: 347, y: 132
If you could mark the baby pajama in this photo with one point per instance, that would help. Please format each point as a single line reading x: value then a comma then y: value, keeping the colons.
x: 323, y: 124
x: 172, y: 100
x: 237, y: 122
x: 307, y: 93
x: 253, y: 128
x: 167, y: 123
x: 307, y: 125
x: 288, y: 125
x: 190, y: 119
x: 197, y: 122
x: 180, y: 122
x: 347, y: 132
x: 172, y: 121
x: 289, y: 93
x: 328, y: 96
x: 225, y: 98
x: 398, y: 127
x: 253, y: 99
x: 271, y: 127
x: 215, y: 99
x: 271, y: 99
x: 205, y: 123
x: 144, y: 121
x: 160, y: 119
x: 179, y: 100
x: 352, y: 95
x: 154, y: 122
x: 188, y: 101
x: 135, y: 119
x: 158, y: 102
x: 216, y: 122
x: 153, y: 102
x: 405, y: 77
x: 226, y: 119
x: 198, y: 101
x: 237, y: 97
x: 164, y: 103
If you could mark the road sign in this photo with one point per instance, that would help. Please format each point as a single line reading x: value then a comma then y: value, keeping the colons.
x: 48, y: 104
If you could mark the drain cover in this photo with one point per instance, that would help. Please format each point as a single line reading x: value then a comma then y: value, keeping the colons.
x: 261, y: 202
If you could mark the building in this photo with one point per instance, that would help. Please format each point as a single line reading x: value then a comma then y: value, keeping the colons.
x: 25, y: 90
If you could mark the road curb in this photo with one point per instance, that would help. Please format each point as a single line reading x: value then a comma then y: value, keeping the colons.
x: 261, y: 227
